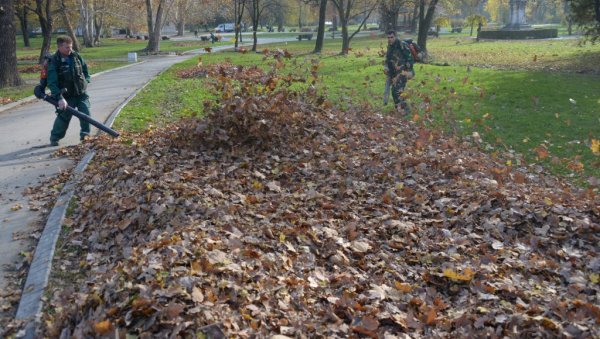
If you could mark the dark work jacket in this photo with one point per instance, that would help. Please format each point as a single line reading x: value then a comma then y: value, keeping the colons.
x: 72, y: 76
x: 398, y: 55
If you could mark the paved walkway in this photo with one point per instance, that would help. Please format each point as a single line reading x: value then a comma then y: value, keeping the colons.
x: 25, y: 162
x: 26, y: 157
x: 22, y: 164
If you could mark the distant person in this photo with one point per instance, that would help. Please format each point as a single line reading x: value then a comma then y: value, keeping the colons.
x: 196, y: 33
x: 68, y: 77
x: 398, y: 69
x: 213, y: 38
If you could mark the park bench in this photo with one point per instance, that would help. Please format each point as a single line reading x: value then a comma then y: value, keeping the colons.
x: 307, y: 36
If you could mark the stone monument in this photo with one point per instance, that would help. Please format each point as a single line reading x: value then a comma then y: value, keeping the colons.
x: 517, y: 28
x: 516, y: 15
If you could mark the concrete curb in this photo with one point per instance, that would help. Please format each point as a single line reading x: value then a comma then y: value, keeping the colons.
x: 30, y: 305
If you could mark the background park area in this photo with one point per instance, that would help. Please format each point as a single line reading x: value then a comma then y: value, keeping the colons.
x: 529, y: 107
x: 537, y: 98
x: 267, y: 191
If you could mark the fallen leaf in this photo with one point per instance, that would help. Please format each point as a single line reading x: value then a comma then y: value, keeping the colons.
x: 466, y: 276
x: 103, y: 327
x: 360, y: 246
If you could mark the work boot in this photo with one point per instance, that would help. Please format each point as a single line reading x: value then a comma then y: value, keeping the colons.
x: 53, y: 142
x: 403, y: 109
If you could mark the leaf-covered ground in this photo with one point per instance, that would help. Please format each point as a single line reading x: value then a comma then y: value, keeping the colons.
x: 279, y: 214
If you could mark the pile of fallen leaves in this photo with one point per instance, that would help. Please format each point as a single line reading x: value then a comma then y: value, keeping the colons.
x: 30, y: 68
x: 283, y: 215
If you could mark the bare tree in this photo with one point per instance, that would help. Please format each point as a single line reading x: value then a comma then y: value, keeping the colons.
x: 255, y: 14
x: 567, y: 11
x: 276, y: 14
x: 181, y: 11
x: 21, y: 13
x: 9, y: 75
x: 321, y: 29
x: 425, y: 19
x: 64, y: 13
x: 300, y: 23
x: 43, y: 10
x: 154, y: 22
x: 348, y: 10
x: 86, y: 15
x: 100, y: 7
x: 415, y: 16
x: 238, y: 13
x: 389, y: 11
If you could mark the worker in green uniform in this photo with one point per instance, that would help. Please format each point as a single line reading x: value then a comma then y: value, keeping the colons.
x: 398, y: 68
x: 68, y: 77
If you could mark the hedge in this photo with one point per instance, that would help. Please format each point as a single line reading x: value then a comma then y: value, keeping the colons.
x: 542, y: 33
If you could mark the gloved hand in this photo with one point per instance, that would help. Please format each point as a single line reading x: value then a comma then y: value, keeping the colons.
x: 62, y: 104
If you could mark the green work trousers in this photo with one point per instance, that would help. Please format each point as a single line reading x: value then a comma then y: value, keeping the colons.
x: 398, y: 84
x: 61, y: 123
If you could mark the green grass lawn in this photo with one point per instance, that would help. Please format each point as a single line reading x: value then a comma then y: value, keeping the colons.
x: 153, y: 107
x: 550, y: 117
x: 566, y: 55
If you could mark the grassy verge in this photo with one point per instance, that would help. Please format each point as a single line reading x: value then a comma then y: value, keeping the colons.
x: 154, y: 105
x: 550, y: 118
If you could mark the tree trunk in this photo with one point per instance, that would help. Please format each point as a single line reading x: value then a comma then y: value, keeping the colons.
x: 255, y: 16
x: 43, y: 10
x: 389, y: 11
x: 98, y: 22
x: 9, y: 76
x: 239, y: 12
x: 321, y: 29
x: 567, y: 11
x: 182, y: 6
x: 300, y: 15
x: 344, y: 24
x: 180, y: 27
x: 158, y: 24
x: 63, y: 11
x: 154, y: 25
x: 86, y: 15
x: 425, y: 20
x: 344, y: 9
x: 21, y: 12
x: 413, y: 22
x: 151, y: 47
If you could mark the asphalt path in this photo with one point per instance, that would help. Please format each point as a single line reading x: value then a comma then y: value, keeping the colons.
x: 27, y: 159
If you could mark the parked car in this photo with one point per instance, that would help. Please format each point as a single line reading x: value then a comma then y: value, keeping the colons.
x: 225, y: 28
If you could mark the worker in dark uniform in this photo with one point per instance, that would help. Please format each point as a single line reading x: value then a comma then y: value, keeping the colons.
x: 398, y: 68
x: 68, y: 77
